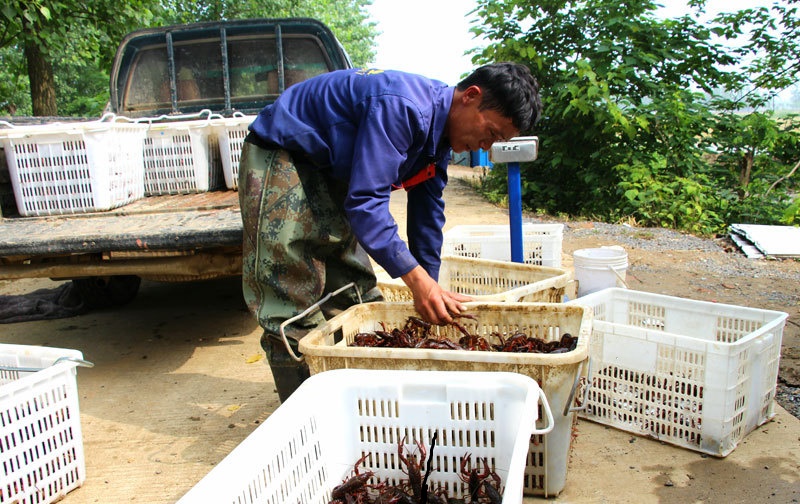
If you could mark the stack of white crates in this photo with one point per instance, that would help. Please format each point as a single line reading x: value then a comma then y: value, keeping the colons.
x: 41, y: 443
x: 695, y: 374
x: 541, y: 243
x: 74, y: 167
x: 181, y: 157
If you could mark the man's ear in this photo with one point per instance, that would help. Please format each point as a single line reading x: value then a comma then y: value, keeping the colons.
x: 472, y: 95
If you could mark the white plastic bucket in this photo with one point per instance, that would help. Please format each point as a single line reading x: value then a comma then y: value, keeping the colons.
x: 599, y: 268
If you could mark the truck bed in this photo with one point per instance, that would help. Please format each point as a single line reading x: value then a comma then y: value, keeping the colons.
x: 173, y: 222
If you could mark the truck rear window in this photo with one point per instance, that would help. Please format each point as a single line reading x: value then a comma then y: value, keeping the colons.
x: 199, y: 72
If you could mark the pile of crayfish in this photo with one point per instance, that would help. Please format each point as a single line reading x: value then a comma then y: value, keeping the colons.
x: 417, y: 334
x: 480, y: 486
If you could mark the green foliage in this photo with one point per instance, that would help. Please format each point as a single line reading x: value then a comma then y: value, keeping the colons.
x: 659, y: 199
x: 79, y: 39
x: 791, y: 216
x: 83, y: 90
x: 641, y: 114
x: 74, y: 33
x: 15, y: 97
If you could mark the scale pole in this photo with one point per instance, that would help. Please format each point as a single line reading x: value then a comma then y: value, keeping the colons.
x: 515, y: 211
x: 513, y: 152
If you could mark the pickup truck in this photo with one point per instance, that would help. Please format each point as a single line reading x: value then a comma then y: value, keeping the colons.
x: 229, y: 68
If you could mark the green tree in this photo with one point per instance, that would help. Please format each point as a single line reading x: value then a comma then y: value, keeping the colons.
x: 634, y: 104
x: 56, y: 54
x: 41, y: 28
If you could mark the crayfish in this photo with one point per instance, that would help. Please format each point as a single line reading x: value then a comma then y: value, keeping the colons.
x: 480, y: 487
x: 416, y: 333
x: 354, y: 488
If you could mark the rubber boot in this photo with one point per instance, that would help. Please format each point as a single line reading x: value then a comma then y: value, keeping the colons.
x: 287, y: 372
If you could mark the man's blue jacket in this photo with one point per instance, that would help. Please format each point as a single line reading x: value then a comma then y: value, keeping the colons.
x: 375, y: 129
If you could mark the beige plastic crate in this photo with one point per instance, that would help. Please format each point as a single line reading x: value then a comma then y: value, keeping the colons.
x: 325, y: 348
x: 489, y: 280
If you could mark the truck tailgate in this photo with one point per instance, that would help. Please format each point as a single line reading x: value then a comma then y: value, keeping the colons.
x: 174, y: 222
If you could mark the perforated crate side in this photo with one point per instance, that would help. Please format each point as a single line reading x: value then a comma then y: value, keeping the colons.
x: 231, y: 134
x: 705, y: 390
x: 181, y: 159
x: 333, y: 420
x: 541, y: 243
x: 41, y: 443
x: 82, y: 167
x: 490, y: 280
x: 546, y: 468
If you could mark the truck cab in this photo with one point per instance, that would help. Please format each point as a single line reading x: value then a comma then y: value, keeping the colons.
x: 230, y: 68
x: 223, y: 66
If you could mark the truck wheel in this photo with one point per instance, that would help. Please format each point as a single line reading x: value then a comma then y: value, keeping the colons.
x: 108, y: 291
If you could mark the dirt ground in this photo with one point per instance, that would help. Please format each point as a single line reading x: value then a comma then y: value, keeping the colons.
x: 180, y: 380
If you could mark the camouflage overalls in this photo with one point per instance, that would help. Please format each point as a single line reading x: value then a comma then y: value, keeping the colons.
x: 298, y: 246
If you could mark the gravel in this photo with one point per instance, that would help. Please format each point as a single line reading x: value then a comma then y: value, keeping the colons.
x: 789, y: 398
x: 658, y: 239
x: 645, y: 238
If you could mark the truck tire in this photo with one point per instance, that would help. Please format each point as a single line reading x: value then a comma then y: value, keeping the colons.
x: 107, y: 291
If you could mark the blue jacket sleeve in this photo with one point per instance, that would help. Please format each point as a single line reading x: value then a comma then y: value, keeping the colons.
x: 426, y: 220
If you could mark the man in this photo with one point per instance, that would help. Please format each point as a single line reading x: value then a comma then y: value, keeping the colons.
x: 315, y: 177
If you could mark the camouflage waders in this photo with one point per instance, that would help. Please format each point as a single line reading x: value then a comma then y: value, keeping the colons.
x: 298, y: 246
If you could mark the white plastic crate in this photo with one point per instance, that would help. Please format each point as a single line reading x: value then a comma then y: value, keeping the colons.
x: 41, y: 444
x: 74, y: 167
x: 231, y: 133
x: 488, y: 280
x: 181, y: 157
x: 691, y: 373
x: 541, y: 243
x: 326, y: 348
x: 311, y: 442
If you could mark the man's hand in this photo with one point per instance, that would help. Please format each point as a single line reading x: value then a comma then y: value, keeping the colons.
x: 434, y: 304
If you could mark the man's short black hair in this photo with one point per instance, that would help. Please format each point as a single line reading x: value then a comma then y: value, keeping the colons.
x: 510, y: 89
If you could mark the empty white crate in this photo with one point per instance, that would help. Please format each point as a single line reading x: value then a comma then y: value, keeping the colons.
x: 310, y: 443
x: 231, y: 133
x: 41, y: 444
x: 74, y: 167
x: 541, y: 243
x: 181, y: 157
x: 695, y: 374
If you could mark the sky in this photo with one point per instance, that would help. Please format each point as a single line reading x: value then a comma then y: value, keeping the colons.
x: 433, y: 44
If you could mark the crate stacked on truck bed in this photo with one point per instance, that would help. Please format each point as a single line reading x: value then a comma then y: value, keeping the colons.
x: 74, y: 167
x: 89, y: 166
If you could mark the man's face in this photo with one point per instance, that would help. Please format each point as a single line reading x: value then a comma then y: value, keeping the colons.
x: 470, y: 129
